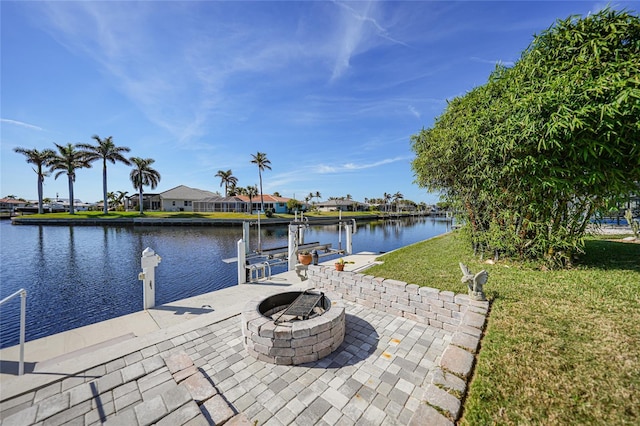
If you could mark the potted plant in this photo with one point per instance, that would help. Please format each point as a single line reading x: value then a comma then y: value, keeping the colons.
x: 340, y: 264
x: 304, y: 257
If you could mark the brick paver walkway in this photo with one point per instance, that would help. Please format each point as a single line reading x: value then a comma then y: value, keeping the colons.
x: 376, y: 377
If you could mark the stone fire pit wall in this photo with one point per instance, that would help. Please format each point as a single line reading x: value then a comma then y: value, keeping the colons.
x: 293, y: 343
x: 440, y: 309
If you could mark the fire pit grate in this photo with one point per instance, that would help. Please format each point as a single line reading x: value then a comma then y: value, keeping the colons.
x: 302, y: 306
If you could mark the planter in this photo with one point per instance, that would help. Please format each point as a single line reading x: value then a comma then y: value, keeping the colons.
x: 305, y: 259
x: 339, y: 266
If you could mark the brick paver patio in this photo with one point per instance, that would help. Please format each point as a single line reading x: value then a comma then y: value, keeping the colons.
x: 377, y: 377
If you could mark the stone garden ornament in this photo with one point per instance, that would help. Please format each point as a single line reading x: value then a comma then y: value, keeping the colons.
x: 474, y: 282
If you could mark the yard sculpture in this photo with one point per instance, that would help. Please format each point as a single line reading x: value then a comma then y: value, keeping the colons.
x: 474, y: 282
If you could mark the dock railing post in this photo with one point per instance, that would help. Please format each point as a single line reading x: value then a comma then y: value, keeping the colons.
x: 23, y: 317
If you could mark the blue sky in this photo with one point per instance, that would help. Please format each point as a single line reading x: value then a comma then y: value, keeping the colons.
x: 330, y: 91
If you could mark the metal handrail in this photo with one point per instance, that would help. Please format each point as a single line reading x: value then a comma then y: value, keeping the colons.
x: 23, y: 313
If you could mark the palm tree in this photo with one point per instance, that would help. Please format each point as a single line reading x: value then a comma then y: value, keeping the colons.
x: 40, y: 159
x: 238, y: 190
x: 67, y: 161
x: 318, y: 196
x: 143, y: 175
x: 107, y: 151
x: 112, y: 198
x: 227, y: 179
x: 251, y: 192
x: 121, y: 197
x: 397, y: 197
x: 263, y: 163
x: 387, y: 198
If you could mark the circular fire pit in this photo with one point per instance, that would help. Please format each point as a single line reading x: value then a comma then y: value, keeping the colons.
x: 293, y: 327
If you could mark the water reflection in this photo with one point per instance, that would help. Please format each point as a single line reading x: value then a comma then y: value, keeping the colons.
x: 76, y: 276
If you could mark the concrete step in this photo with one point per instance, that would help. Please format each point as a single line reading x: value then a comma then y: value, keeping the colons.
x: 47, y: 364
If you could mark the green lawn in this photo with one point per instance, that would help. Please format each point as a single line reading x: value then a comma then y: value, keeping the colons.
x: 560, y: 347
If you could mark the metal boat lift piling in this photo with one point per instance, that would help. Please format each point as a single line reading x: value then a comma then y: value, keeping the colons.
x: 256, y: 265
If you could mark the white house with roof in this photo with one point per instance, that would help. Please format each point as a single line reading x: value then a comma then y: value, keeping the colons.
x: 271, y: 202
x: 181, y: 198
x: 343, y: 205
x: 185, y: 199
x: 241, y: 204
x: 231, y: 204
x: 8, y: 206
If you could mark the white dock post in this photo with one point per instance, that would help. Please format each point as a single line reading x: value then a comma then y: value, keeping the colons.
x: 149, y: 262
x: 245, y: 236
x: 259, y: 236
x: 349, y: 239
x: 242, y: 272
x: 292, y: 252
x: 339, y: 229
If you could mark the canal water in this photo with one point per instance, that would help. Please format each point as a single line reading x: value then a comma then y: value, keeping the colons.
x: 79, y: 275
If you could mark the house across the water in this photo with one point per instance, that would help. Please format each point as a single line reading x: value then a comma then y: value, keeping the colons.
x: 185, y: 199
x: 9, y: 206
x: 342, y: 205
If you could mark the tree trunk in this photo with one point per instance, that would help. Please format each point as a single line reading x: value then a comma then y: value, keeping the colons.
x: 104, y: 188
x: 261, y: 197
x: 40, y: 179
x: 72, y: 209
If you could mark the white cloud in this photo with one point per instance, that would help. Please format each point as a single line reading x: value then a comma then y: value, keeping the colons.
x: 358, y: 31
x: 380, y: 30
x: 493, y: 61
x: 20, y: 123
x: 349, y: 167
x: 414, y: 111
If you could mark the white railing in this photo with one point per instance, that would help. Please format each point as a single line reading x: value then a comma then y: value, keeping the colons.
x: 23, y: 313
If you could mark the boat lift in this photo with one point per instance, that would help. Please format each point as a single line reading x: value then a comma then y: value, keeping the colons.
x: 256, y: 265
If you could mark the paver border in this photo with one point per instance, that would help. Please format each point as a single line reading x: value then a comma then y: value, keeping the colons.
x: 457, y: 313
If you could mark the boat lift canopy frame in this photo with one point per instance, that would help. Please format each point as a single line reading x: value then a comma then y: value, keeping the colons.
x: 261, y: 261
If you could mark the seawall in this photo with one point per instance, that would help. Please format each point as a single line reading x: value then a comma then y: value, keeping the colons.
x: 193, y: 221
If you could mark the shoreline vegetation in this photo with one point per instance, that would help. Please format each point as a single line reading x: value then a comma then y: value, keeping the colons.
x: 131, y: 218
x: 560, y: 346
